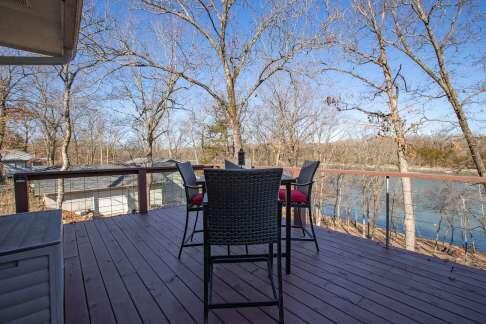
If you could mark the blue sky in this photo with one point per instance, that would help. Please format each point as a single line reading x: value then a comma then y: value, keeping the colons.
x: 467, y: 72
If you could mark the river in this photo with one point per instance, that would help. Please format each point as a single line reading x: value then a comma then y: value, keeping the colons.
x: 454, y: 211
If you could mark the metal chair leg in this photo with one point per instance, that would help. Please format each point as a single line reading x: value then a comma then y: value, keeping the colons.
x: 270, y: 269
x: 279, y: 278
x: 206, y: 281
x: 184, y: 236
x: 195, y: 225
x: 210, y: 285
x: 312, y: 228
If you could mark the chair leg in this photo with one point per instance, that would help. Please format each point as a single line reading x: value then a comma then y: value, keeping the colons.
x: 210, y: 285
x: 246, y: 249
x: 228, y: 249
x: 184, y: 236
x: 270, y: 269
x: 206, y: 281
x: 279, y: 278
x: 312, y: 228
x: 195, y: 225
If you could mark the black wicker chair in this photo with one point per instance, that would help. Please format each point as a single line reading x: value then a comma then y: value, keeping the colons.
x: 194, y: 201
x: 242, y: 209
x: 301, y: 198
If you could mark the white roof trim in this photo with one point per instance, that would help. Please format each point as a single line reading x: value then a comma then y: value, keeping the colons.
x: 47, y: 27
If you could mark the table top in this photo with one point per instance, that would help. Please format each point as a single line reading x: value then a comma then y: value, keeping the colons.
x: 284, y: 180
x: 24, y: 231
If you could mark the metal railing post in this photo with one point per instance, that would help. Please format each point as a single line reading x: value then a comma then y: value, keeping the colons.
x: 387, y: 202
x: 142, y: 191
x: 21, y: 194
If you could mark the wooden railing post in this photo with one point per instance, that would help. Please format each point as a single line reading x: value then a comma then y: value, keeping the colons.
x: 142, y: 191
x: 21, y: 194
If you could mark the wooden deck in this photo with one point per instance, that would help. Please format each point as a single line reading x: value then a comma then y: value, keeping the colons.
x: 125, y: 270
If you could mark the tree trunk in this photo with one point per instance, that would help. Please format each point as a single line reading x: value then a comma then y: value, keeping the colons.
x: 337, y: 205
x: 51, y: 144
x: 3, y: 122
x: 237, y: 141
x: 150, y: 162
x: 409, y: 221
x: 68, y: 128
x: 193, y: 140
x: 233, y: 113
x: 466, y: 131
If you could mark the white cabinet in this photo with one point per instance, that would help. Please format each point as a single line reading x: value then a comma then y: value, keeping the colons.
x: 31, y: 271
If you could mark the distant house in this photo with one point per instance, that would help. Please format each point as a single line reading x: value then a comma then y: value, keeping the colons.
x: 14, y: 161
x: 17, y: 159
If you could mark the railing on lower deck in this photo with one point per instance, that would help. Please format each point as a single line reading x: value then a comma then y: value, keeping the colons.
x: 115, y: 190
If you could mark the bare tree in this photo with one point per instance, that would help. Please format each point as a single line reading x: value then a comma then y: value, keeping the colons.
x: 367, y: 47
x: 268, y: 42
x: 419, y: 30
x: 287, y: 119
x: 11, y: 78
x: 151, y: 97
x: 88, y: 57
x: 44, y: 103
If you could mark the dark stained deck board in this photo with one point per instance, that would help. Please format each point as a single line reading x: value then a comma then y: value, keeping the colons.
x: 260, y: 288
x: 194, y: 264
x: 432, y: 292
x: 132, y: 261
x: 123, y: 306
x: 99, y: 306
x: 148, y: 309
x: 193, y: 302
x: 172, y: 266
x: 440, y: 280
x: 168, y: 303
x: 397, y: 293
x: 357, y: 275
x: 430, y: 269
x: 76, y: 307
x: 299, y: 300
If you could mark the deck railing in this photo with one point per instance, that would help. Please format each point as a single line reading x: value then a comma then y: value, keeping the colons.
x: 136, y: 185
x: 338, y: 196
x: 443, y: 205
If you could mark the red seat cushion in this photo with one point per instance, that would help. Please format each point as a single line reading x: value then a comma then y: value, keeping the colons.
x: 197, y: 199
x: 295, y: 196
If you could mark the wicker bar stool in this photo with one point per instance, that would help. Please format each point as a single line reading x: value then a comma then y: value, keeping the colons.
x: 242, y: 209
x: 301, y: 198
x: 194, y: 201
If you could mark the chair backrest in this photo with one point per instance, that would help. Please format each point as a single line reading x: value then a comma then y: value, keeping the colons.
x: 228, y: 165
x: 306, y: 175
x: 242, y: 206
x: 188, y: 177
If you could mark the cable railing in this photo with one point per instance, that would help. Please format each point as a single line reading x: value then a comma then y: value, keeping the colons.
x: 446, y: 213
x: 83, y: 194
